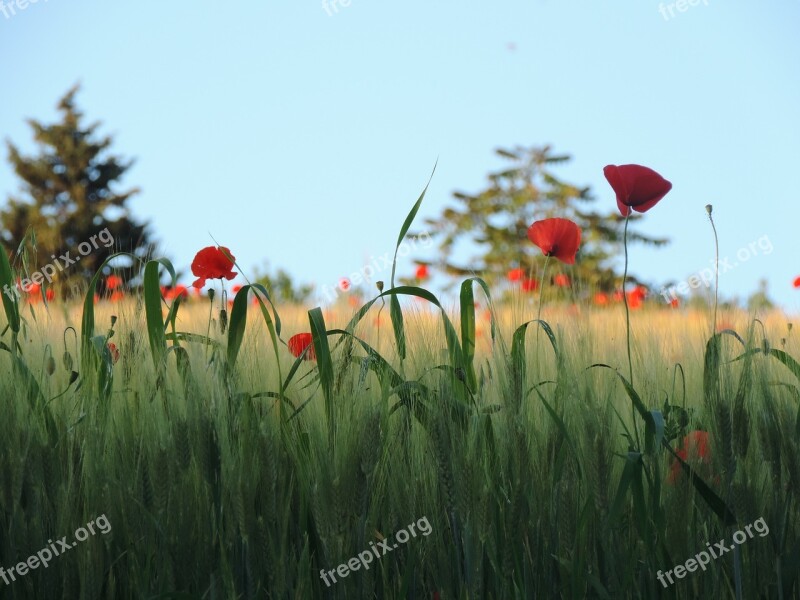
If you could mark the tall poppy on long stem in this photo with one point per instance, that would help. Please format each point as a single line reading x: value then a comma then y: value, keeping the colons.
x: 637, y: 188
x: 556, y: 238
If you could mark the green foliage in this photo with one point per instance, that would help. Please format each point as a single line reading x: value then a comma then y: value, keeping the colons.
x: 282, y: 287
x: 218, y: 492
x: 68, y: 194
x: 496, y: 220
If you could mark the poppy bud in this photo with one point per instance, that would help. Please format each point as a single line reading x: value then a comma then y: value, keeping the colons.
x: 113, y: 320
x: 223, y: 320
x: 211, y: 294
x: 67, y: 361
x: 709, y: 208
x: 51, y: 365
x: 73, y: 377
x: 790, y: 326
x: 765, y: 346
x: 379, y: 285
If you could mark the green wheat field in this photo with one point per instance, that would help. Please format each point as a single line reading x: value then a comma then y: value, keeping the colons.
x: 545, y: 465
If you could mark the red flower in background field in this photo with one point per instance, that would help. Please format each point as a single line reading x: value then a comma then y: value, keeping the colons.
x: 113, y: 282
x: 173, y: 293
x: 601, y: 299
x: 422, y: 272
x: 112, y: 348
x: 560, y: 238
x: 674, y: 303
x: 561, y: 280
x: 116, y: 296
x: 637, y: 187
x: 236, y: 289
x: 344, y: 284
x: 212, y: 263
x: 694, y: 450
x: 298, y: 343
x: 636, y: 296
x: 529, y: 285
x: 797, y: 283
x: 516, y: 274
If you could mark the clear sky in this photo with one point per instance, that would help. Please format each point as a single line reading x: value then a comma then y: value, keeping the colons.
x: 302, y: 138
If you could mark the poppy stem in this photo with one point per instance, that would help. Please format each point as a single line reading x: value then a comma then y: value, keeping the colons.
x: 539, y: 312
x: 628, y: 324
x: 541, y: 288
x: 625, y: 300
x: 709, y: 209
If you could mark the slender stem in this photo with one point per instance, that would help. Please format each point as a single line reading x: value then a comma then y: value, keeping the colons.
x: 625, y: 299
x: 716, y: 268
x: 628, y: 326
x: 208, y: 329
x: 541, y: 289
x: 539, y: 312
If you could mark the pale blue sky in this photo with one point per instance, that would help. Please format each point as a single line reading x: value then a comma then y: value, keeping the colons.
x: 303, y: 139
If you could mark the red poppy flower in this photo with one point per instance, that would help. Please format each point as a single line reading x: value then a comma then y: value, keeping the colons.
x: 117, y: 296
x: 50, y: 294
x: 344, y: 284
x: 638, y: 188
x: 674, y: 303
x: 178, y: 290
x: 556, y: 237
x: 797, y: 283
x: 235, y: 289
x: 113, y: 282
x: 694, y: 450
x: 298, y: 343
x: 212, y: 263
x: 112, y: 348
x: 529, y: 285
x: 601, y: 299
x: 422, y: 272
x: 561, y: 280
x: 516, y: 274
x: 638, y: 293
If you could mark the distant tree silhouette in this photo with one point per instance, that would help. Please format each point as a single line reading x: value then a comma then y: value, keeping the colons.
x: 68, y: 195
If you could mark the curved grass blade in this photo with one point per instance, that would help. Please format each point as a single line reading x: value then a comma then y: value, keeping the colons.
x: 715, y: 503
x: 319, y: 337
x: 395, y: 311
x: 467, y: 301
x: 156, y: 333
x: 10, y: 305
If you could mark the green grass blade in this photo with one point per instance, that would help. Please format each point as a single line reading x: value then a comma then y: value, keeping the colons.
x: 324, y: 364
x: 156, y: 333
x: 409, y: 220
x: 10, y: 305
